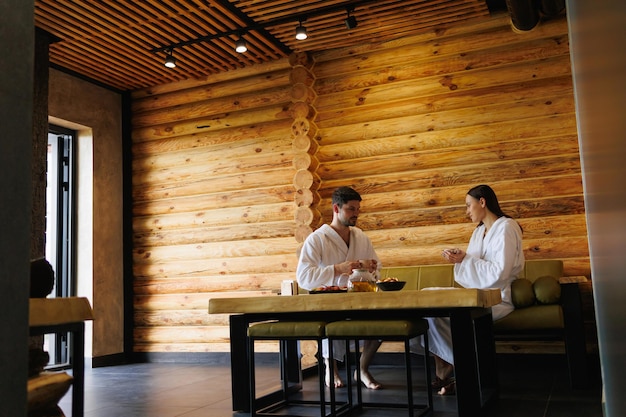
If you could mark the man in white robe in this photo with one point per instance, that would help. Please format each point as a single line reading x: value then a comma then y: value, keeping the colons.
x: 327, y: 258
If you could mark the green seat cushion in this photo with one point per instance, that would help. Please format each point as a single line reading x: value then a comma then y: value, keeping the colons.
x: 287, y: 329
x: 522, y: 293
x: 547, y: 290
x: 537, y: 317
x: 376, y: 328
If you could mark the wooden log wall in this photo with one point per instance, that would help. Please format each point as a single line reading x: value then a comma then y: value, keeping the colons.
x: 214, y: 201
x: 413, y: 126
x: 231, y: 172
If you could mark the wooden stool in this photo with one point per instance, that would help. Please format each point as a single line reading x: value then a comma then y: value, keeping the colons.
x: 284, y: 331
x: 401, y: 330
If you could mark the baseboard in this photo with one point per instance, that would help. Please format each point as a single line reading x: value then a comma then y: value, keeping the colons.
x: 261, y: 358
x: 106, y: 360
x: 210, y: 358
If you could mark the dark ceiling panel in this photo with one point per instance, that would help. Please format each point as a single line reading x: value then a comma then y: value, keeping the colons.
x: 123, y: 43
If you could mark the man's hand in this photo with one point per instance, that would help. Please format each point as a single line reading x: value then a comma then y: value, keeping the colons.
x: 346, y: 267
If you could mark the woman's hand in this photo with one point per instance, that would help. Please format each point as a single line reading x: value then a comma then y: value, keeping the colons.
x: 454, y: 255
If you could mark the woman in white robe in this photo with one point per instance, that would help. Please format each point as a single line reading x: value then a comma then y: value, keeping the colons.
x: 327, y: 258
x: 494, y: 259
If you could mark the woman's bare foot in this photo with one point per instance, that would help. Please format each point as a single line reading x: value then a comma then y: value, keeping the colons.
x: 443, y: 370
x: 448, y: 387
x: 368, y: 380
x: 337, y: 379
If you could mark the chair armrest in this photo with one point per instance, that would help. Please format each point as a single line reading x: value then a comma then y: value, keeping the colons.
x: 573, y: 279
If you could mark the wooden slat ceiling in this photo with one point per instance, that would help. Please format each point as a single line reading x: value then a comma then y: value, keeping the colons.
x: 120, y: 42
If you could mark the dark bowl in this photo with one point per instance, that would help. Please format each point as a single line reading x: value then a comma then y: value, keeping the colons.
x: 390, y: 285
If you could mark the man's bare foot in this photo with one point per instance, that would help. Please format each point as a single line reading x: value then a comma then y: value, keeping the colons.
x: 337, y: 379
x: 338, y: 382
x: 368, y: 380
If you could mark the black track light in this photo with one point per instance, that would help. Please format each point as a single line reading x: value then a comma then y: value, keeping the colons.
x: 301, y: 32
x: 350, y: 21
x: 170, y: 61
x: 241, y: 46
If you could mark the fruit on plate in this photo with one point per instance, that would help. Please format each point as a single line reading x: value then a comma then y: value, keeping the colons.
x: 330, y: 288
x: 388, y: 279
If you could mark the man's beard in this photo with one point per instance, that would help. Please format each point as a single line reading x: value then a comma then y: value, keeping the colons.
x: 351, y: 221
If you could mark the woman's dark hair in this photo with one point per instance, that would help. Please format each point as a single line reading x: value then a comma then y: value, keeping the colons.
x: 344, y: 194
x: 485, y: 191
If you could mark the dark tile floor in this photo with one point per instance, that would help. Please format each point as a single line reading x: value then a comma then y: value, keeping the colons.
x: 531, y: 386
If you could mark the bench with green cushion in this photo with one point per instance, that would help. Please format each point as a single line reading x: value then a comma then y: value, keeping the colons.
x: 544, y: 308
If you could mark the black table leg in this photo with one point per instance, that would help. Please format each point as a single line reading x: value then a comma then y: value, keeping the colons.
x: 465, y: 363
x: 291, y: 361
x: 239, y: 364
x: 487, y: 363
x: 78, y: 370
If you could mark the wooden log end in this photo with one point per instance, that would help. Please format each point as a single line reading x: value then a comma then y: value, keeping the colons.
x: 301, y: 75
x: 301, y: 160
x: 301, y: 143
x: 301, y: 59
x: 301, y: 233
x: 308, y: 349
x: 303, y: 93
x: 303, y: 197
x: 303, y: 215
x: 302, y: 110
x: 303, y: 179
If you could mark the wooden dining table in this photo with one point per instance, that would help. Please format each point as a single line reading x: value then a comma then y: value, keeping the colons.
x: 469, y: 311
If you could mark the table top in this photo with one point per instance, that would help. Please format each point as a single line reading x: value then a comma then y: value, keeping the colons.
x: 62, y: 310
x: 405, y: 299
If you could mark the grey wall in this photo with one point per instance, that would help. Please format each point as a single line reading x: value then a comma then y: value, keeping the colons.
x: 597, y: 39
x: 16, y: 131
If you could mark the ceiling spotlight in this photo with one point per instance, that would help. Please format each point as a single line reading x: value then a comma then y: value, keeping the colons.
x: 351, y: 20
x: 170, y: 61
x: 241, y: 45
x: 301, y: 32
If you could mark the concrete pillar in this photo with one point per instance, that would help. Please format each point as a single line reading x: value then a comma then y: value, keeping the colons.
x: 16, y: 133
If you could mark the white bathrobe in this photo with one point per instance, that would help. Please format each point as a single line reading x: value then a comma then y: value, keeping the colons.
x: 493, y: 260
x: 321, y: 251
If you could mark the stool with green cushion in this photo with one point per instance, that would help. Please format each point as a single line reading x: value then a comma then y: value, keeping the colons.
x: 399, y: 330
x: 284, y: 331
